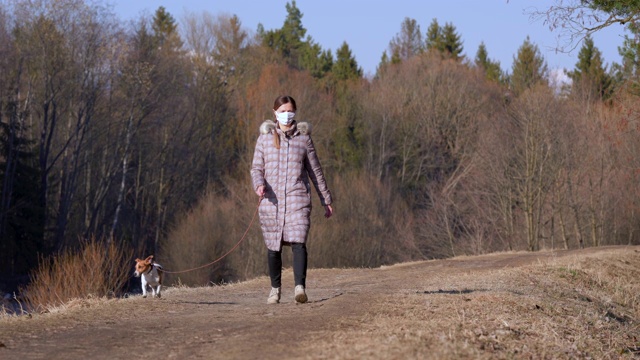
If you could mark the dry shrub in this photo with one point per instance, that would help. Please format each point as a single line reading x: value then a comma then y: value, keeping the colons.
x: 371, y: 226
x: 208, y: 232
x: 96, y: 269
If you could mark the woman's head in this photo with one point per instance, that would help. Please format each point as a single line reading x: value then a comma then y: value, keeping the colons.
x: 284, y: 110
x: 282, y: 100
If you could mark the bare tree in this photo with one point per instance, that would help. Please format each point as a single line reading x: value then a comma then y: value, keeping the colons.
x: 576, y: 20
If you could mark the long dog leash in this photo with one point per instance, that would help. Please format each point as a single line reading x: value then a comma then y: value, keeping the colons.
x: 228, y: 252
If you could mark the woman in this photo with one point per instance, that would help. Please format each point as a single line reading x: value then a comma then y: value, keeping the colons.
x: 283, y: 162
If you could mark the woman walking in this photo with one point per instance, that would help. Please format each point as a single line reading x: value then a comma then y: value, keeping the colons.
x: 284, y: 161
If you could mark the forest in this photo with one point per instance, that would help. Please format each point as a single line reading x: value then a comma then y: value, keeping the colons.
x: 140, y: 135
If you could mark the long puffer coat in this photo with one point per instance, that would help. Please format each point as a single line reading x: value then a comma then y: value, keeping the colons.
x: 285, y: 173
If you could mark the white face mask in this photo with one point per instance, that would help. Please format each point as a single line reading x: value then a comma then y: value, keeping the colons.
x: 285, y: 118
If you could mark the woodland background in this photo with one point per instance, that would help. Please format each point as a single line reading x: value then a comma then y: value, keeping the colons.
x: 140, y: 135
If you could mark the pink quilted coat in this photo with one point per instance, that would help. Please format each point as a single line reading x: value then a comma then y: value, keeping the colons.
x: 285, y: 173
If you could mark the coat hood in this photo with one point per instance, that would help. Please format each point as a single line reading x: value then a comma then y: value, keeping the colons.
x: 268, y: 125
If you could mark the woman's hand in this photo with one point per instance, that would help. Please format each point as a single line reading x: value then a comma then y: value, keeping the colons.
x: 260, y: 191
x: 328, y: 211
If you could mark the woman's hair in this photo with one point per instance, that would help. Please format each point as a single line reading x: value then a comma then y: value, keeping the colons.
x: 281, y: 100
x: 284, y: 99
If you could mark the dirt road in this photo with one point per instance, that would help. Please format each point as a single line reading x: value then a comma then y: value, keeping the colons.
x: 234, y: 321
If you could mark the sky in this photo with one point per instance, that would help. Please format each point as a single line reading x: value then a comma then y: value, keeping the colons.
x: 369, y: 25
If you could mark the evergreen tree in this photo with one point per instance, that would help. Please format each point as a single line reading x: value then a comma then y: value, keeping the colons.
x: 630, y: 52
x: 622, y: 10
x: 529, y: 68
x: 409, y: 41
x: 444, y: 40
x: 384, y: 62
x: 452, y: 45
x: 21, y: 213
x: 395, y: 57
x: 165, y: 30
x: 346, y: 67
x: 491, y: 69
x: 434, y: 36
x: 589, y: 78
x: 290, y: 42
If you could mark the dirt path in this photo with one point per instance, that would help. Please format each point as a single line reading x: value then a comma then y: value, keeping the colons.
x: 234, y: 321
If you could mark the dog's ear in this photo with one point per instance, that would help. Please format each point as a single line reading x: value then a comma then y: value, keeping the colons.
x: 136, y: 260
x: 149, y: 259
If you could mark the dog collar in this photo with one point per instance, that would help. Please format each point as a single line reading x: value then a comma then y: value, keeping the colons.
x: 151, y: 269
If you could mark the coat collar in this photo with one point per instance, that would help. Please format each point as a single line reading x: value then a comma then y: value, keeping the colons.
x: 302, y: 128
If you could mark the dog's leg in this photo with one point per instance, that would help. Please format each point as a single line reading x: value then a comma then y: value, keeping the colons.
x: 158, y: 290
x: 144, y: 287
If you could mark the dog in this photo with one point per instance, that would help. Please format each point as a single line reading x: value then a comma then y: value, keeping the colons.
x: 151, y: 274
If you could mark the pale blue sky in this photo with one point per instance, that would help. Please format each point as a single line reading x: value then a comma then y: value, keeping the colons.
x: 368, y: 25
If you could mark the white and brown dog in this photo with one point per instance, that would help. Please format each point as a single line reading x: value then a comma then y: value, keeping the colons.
x: 151, y: 274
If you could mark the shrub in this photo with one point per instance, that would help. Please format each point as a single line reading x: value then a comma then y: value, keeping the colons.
x: 96, y: 269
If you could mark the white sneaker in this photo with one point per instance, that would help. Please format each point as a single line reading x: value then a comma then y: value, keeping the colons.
x: 300, y: 295
x: 274, y: 296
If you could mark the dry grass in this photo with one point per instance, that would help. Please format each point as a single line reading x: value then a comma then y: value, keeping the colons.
x: 96, y: 270
x: 569, y: 309
x: 584, y: 306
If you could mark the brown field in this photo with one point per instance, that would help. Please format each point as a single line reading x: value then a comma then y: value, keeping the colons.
x: 561, y: 305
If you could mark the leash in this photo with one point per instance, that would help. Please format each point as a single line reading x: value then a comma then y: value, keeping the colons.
x: 228, y: 252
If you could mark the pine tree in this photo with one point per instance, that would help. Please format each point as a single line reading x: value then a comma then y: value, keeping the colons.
x: 346, y: 66
x: 290, y: 42
x: 408, y: 42
x: 21, y: 213
x: 630, y: 52
x: 384, y: 62
x: 165, y: 30
x: 434, y: 36
x: 445, y: 40
x: 491, y: 69
x: 287, y: 40
x: 589, y: 78
x: 529, y: 68
x: 452, y: 45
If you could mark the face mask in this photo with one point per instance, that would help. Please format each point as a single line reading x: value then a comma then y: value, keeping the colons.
x: 285, y: 118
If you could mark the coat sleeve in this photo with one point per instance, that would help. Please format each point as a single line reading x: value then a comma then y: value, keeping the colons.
x: 314, y: 169
x: 257, y: 165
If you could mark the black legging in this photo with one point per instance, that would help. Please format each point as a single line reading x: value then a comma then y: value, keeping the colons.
x: 299, y: 265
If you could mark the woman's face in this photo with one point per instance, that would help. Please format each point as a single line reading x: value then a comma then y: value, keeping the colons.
x: 288, y: 107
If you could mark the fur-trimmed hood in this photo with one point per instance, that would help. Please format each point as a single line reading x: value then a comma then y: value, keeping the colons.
x: 303, y: 127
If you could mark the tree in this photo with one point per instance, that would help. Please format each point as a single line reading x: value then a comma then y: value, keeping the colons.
x: 444, y: 39
x: 408, y: 42
x: 589, y: 78
x: 21, y: 214
x: 490, y: 68
x: 452, y: 45
x: 346, y: 67
x: 578, y: 19
x: 290, y: 42
x: 434, y: 36
x: 630, y: 51
x: 317, y: 61
x: 529, y: 68
x: 66, y: 47
x: 165, y: 29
